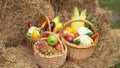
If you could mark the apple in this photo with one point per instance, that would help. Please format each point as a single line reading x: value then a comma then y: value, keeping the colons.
x: 52, y: 40
x: 66, y: 33
x: 45, y: 35
x: 58, y: 47
x: 69, y: 38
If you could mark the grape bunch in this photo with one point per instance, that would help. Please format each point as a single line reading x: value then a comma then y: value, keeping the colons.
x: 45, y: 49
x: 50, y: 51
x: 40, y: 45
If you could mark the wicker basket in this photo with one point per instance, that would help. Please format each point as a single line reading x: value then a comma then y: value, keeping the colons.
x: 77, y: 53
x: 53, y: 61
x: 31, y: 41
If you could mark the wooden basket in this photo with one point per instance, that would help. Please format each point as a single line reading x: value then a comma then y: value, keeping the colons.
x: 31, y: 41
x: 53, y: 61
x: 77, y: 53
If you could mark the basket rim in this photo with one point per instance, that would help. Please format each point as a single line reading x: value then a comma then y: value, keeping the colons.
x: 53, y: 56
x: 76, y: 46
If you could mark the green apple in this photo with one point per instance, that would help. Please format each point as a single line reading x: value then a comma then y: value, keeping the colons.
x: 52, y: 40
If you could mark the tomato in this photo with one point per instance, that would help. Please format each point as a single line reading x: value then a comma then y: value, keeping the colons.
x: 94, y: 36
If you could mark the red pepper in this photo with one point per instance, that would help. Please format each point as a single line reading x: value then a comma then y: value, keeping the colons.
x: 29, y: 23
x: 95, y: 36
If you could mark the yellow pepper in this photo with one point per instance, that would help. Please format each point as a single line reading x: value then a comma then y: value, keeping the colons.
x: 57, y: 27
x: 92, y: 42
x: 35, y: 36
x: 71, y: 30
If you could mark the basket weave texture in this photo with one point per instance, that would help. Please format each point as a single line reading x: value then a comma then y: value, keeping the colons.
x: 53, y: 61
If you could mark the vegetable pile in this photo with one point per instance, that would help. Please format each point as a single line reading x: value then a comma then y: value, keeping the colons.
x: 35, y: 32
x: 80, y: 33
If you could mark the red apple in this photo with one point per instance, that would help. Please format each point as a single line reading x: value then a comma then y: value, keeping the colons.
x: 45, y: 35
x: 58, y: 47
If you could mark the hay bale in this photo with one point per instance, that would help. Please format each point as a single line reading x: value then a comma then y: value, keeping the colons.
x: 64, y: 8
x: 2, y: 44
x: 15, y: 14
x: 103, y: 17
x: 17, y: 58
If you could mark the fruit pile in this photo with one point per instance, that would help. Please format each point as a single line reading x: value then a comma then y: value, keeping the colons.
x: 35, y: 32
x: 80, y: 33
x: 50, y: 46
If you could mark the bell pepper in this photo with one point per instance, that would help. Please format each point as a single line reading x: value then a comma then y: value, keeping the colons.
x: 29, y: 24
x: 57, y: 27
x: 58, y: 24
x: 94, y: 36
x: 35, y: 35
x: 30, y: 30
x: 71, y: 30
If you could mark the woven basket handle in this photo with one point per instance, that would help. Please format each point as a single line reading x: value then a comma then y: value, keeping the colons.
x: 85, y: 21
x: 57, y: 38
x: 47, y: 19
